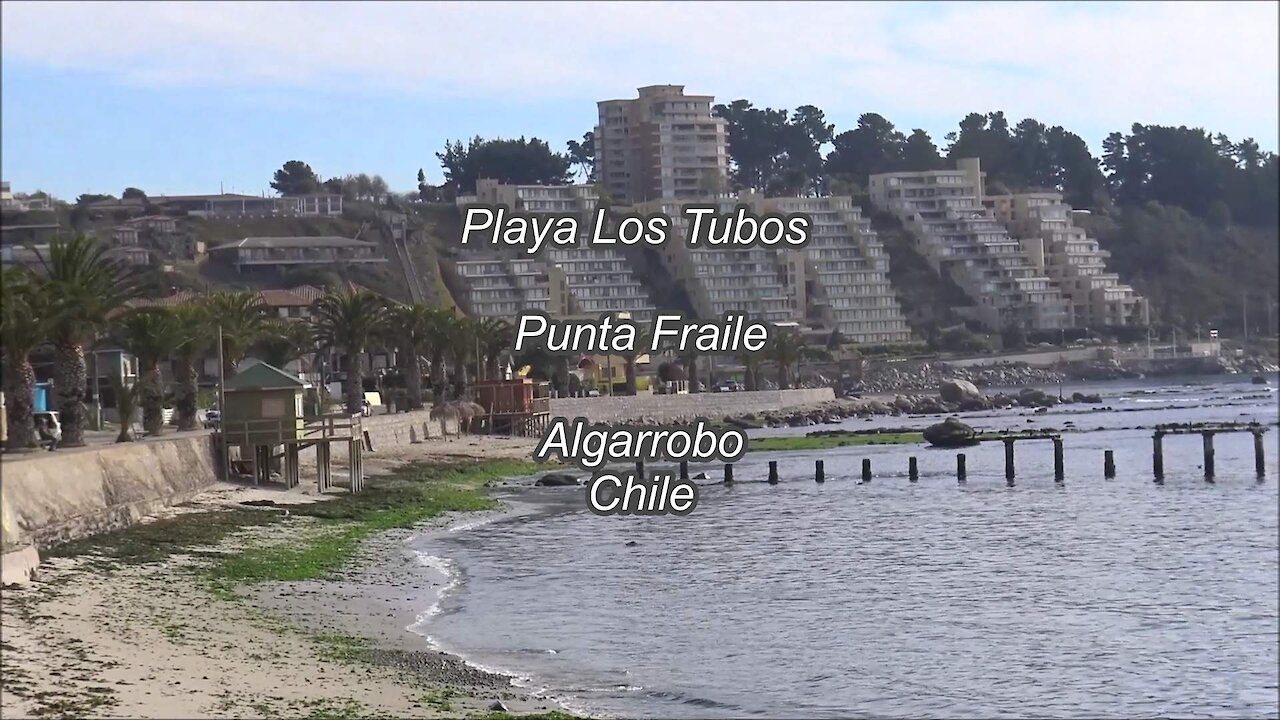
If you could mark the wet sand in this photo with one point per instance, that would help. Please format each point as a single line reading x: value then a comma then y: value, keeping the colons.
x: 151, y: 640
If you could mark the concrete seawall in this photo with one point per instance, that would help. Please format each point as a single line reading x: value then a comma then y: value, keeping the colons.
x: 670, y: 408
x: 50, y: 498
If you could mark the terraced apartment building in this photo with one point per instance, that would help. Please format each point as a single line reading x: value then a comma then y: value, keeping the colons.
x: 961, y: 237
x: 838, y: 281
x: 1042, y: 223
x: 564, y: 281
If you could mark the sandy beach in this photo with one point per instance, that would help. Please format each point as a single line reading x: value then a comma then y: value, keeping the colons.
x: 103, y: 638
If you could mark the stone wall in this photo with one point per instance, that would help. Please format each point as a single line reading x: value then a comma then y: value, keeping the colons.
x: 388, y: 430
x: 670, y: 408
x: 50, y: 498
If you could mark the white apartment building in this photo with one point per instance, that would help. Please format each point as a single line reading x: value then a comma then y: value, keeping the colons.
x: 588, y: 280
x: 1042, y: 222
x: 839, y: 280
x: 662, y: 144
x: 944, y: 211
x: 846, y: 271
x: 502, y: 287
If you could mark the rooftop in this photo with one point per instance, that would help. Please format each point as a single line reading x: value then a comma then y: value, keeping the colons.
x: 293, y: 242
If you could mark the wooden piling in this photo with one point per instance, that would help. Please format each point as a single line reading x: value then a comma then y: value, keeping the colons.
x: 960, y: 473
x: 1259, y: 459
x: 1208, y: 454
x: 728, y: 474
x: 640, y: 470
x: 819, y: 472
x: 1109, y: 463
x: 773, y: 472
x: 1058, y: 469
x: 413, y: 435
x: 866, y: 470
x: 1157, y: 455
x: 1008, y: 459
x: 684, y: 469
x: 913, y: 470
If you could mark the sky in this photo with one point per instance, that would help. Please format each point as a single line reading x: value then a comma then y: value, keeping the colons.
x: 191, y: 97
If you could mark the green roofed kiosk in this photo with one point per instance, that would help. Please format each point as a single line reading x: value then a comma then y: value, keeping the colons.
x: 263, y: 411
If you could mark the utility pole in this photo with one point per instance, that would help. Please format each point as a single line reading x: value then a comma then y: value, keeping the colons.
x: 222, y: 406
x: 1244, y: 297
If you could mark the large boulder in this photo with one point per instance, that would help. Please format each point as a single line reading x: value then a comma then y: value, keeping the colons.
x: 950, y: 433
x: 556, y: 479
x: 956, y: 391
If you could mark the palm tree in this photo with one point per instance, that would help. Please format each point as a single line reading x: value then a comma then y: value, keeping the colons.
x: 412, y: 329
x: 689, y: 359
x: 150, y: 334
x: 640, y: 347
x: 24, y: 324
x: 786, y: 348
x: 496, y: 337
x: 126, y: 405
x: 349, y: 320
x: 284, y: 341
x: 198, y: 327
x: 86, y: 286
x: 460, y: 335
x: 750, y: 369
x: 243, y: 317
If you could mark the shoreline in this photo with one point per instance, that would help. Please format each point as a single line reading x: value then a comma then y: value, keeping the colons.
x: 105, y: 633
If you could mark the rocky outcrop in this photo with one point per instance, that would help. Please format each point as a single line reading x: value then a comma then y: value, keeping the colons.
x: 950, y: 433
x: 956, y: 391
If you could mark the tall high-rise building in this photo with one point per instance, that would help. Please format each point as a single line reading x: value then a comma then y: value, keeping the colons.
x: 662, y: 145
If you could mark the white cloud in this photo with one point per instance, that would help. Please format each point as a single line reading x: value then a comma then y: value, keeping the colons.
x: 1086, y: 65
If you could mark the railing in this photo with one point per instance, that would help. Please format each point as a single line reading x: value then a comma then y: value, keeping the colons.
x: 277, y: 431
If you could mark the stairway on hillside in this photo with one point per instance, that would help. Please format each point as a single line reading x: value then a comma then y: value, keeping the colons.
x: 929, y: 300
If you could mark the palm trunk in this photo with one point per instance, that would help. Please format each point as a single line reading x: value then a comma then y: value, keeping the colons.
x: 152, y: 399
x: 186, y: 393
x: 437, y: 377
x: 692, y: 374
x: 629, y: 369
x: 19, y: 396
x: 355, y: 384
x: 69, y: 373
x: 783, y: 376
x: 413, y: 382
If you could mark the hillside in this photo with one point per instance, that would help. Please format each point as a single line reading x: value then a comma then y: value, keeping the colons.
x: 928, y: 299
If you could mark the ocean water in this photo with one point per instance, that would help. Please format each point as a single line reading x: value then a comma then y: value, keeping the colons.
x: 1090, y: 598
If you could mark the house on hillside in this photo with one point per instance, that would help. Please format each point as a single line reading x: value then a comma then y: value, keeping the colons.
x: 158, y: 224
x: 125, y: 235
x: 278, y: 254
x: 41, y: 234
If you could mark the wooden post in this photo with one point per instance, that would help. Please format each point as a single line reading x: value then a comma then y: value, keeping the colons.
x: 1058, y: 469
x: 413, y: 435
x: 819, y: 472
x: 1109, y: 463
x: 913, y: 470
x: 866, y: 470
x: 640, y: 470
x: 960, y: 474
x: 322, y: 466
x: 1008, y: 459
x: 1208, y: 454
x: 353, y: 464
x: 1157, y: 455
x: 728, y: 474
x: 368, y: 441
x: 1259, y: 459
x: 773, y: 472
x: 684, y: 469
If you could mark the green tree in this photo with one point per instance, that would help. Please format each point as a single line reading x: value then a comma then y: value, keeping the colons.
x: 919, y: 153
x: 127, y: 398
x: 296, y: 178
x: 629, y: 359
x: 242, y: 317
x: 25, y: 323
x: 349, y: 320
x: 874, y: 146
x: 151, y: 334
x: 689, y: 359
x: 772, y: 151
x: 496, y: 336
x: 86, y: 286
x: 413, y: 330
x: 133, y: 193
x: 521, y: 161
x: 786, y: 347
x: 582, y: 156
x: 284, y: 341
x: 197, y: 325
x: 460, y: 339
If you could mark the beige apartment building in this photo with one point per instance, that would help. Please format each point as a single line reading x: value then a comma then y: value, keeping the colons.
x: 569, y: 281
x: 1042, y: 222
x: 959, y: 236
x: 838, y: 281
x: 663, y: 144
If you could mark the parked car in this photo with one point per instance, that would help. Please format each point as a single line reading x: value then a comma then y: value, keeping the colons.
x: 727, y: 386
x: 48, y: 429
x: 365, y: 408
x: 212, y: 418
